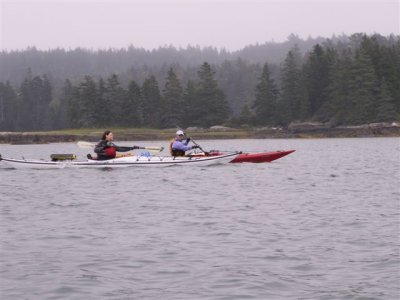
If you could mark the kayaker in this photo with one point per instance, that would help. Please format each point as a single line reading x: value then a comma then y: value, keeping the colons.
x: 106, y: 149
x: 179, y: 145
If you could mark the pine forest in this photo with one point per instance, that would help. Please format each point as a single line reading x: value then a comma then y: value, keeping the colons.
x: 346, y: 80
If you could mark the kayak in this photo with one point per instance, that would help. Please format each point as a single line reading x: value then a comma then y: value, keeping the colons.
x: 68, y: 161
x: 261, y: 157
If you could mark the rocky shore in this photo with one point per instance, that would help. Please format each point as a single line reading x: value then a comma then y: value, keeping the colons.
x: 295, y: 130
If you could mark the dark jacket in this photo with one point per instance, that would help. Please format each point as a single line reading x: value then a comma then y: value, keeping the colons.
x: 107, y: 150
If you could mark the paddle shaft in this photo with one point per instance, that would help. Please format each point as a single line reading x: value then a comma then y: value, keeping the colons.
x: 194, y: 142
x: 83, y: 144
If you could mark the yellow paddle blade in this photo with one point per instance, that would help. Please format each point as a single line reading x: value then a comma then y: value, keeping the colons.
x: 83, y: 144
x: 157, y: 149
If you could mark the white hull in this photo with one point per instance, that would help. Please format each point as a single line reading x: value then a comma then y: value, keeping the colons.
x: 130, y: 161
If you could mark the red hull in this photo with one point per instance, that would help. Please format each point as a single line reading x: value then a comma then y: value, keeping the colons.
x: 261, y: 157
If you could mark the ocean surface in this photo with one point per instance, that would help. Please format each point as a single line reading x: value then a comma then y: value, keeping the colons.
x: 321, y: 223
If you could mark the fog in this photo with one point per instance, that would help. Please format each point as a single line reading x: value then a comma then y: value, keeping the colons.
x: 231, y: 25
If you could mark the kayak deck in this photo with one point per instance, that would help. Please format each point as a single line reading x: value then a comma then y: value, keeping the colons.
x: 261, y: 157
x: 156, y: 161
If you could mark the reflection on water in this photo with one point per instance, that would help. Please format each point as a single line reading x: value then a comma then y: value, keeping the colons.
x: 321, y: 223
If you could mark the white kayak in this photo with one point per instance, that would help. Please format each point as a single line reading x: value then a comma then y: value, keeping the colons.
x: 128, y: 161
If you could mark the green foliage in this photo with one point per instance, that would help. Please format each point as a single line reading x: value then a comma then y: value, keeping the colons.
x: 293, y: 103
x: 363, y: 89
x: 189, y: 102
x: 151, y: 102
x: 172, y: 102
x: 338, y: 105
x: 347, y: 80
x: 265, y: 104
x: 134, y: 105
x: 68, y: 109
x: 209, y: 106
x: 89, y: 104
x: 113, y: 104
x: 386, y: 111
x: 8, y: 107
x: 237, y: 79
x: 246, y: 117
x: 36, y: 95
x: 316, y: 76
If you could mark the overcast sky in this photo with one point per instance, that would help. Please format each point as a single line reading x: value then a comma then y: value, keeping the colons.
x: 220, y: 23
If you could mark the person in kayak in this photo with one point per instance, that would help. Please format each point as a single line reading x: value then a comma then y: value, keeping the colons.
x: 106, y: 149
x: 179, y: 145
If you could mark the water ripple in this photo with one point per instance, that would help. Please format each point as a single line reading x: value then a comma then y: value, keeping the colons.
x: 322, y: 223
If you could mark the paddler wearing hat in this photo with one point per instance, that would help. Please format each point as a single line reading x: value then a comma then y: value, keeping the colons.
x: 179, y: 145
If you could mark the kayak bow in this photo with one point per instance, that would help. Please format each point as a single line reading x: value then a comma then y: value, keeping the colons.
x: 261, y: 157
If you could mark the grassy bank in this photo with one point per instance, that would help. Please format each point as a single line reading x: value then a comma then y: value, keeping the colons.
x: 132, y: 134
x: 120, y: 134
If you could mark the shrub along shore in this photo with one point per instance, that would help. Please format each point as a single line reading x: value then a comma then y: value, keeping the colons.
x: 300, y: 130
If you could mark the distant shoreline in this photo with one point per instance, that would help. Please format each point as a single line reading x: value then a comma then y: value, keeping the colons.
x: 308, y: 130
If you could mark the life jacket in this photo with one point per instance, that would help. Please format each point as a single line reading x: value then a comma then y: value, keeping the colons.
x: 174, y: 152
x: 105, y: 152
x: 110, y: 152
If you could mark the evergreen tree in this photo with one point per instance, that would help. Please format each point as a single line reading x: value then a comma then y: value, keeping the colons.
x: 336, y: 109
x: 237, y: 79
x: 71, y: 99
x: 266, y: 98
x: 364, y: 88
x: 189, y: 105
x: 293, y: 103
x: 390, y: 69
x: 46, y: 97
x: 134, y: 104
x: 68, y: 106
x: 36, y: 97
x: 344, y: 80
x: 246, y: 117
x: 115, y: 102
x: 210, y: 105
x: 172, y: 102
x: 151, y: 102
x: 88, y: 101
x: 386, y: 63
x: 386, y: 108
x: 103, y: 109
x: 8, y: 108
x: 316, y: 77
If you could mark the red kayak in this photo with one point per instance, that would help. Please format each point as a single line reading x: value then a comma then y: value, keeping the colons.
x: 261, y: 157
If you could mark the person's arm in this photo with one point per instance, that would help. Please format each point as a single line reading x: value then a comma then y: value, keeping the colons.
x: 181, y: 146
x: 186, y: 142
x: 124, y: 149
x: 100, y: 147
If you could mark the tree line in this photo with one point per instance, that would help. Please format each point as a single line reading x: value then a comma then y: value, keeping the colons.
x: 343, y: 83
x: 60, y: 63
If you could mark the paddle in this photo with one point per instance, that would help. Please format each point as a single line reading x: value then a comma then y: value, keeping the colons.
x: 194, y: 142
x: 83, y: 144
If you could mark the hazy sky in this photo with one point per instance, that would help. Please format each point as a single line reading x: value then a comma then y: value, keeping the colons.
x: 149, y: 24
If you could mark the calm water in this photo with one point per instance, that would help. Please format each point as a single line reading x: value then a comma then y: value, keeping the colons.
x: 321, y: 223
